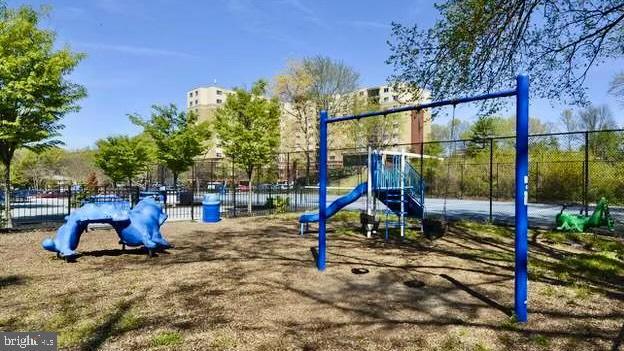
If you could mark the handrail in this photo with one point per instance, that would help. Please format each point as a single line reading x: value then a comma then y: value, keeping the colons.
x: 385, y: 178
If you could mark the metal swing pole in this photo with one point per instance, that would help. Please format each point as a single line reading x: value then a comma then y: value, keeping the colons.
x: 522, y: 198
x: 321, y: 255
x: 369, y: 193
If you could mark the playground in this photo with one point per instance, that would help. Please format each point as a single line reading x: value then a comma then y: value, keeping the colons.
x: 252, y: 284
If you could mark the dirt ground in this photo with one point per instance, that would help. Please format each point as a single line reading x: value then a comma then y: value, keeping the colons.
x: 251, y: 284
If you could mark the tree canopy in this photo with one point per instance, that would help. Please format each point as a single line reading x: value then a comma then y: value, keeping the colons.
x: 480, y: 45
x: 308, y: 86
x: 34, y: 91
x: 178, y: 137
x: 122, y: 158
x: 248, y: 126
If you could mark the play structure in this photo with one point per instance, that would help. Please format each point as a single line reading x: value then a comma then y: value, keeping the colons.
x: 393, y: 181
x: 521, y: 93
x: 139, y: 226
x: 568, y: 222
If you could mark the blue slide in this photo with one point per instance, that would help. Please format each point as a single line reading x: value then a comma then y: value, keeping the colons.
x: 337, y: 205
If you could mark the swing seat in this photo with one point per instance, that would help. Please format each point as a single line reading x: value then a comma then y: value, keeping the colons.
x: 434, y: 228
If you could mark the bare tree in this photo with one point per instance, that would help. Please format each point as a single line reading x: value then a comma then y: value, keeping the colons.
x: 570, y: 124
x: 596, y: 118
x: 292, y: 86
x: 309, y: 86
x: 617, y: 86
x: 479, y: 46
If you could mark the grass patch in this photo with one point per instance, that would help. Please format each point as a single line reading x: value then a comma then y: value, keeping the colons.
x: 129, y: 321
x: 166, y: 338
x: 76, y: 334
x: 549, y: 291
x: 540, y: 340
x: 510, y: 323
x: 604, y: 266
x: 485, y: 229
x: 223, y: 342
x: 593, y: 242
x: 461, y: 341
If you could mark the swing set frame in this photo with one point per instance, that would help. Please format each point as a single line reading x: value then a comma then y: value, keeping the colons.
x: 521, y: 92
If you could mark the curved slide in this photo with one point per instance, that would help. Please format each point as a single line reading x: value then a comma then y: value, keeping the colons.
x: 337, y: 205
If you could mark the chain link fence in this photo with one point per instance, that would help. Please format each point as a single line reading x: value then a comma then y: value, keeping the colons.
x: 470, y: 179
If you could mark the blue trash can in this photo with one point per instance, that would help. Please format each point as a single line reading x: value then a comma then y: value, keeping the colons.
x: 211, y: 207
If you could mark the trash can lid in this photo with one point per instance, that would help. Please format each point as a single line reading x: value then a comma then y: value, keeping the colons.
x: 211, y: 199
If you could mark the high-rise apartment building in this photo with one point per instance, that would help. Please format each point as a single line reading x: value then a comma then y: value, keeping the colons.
x: 410, y: 127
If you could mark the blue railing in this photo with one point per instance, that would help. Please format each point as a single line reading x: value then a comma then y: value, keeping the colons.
x: 414, y: 184
x: 389, y: 178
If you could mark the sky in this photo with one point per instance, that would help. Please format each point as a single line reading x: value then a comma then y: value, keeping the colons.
x: 141, y: 53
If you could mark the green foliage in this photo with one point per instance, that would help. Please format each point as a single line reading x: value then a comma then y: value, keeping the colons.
x: 377, y: 132
x: 34, y: 92
x: 179, y: 137
x: 280, y: 204
x: 122, y: 157
x: 248, y: 127
x: 167, y: 338
x: 36, y: 168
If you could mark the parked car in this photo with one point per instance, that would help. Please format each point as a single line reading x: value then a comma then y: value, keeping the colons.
x: 16, y: 195
x: 266, y: 187
x: 52, y: 194
x: 283, y: 185
x: 243, y: 185
x: 100, y: 199
x: 157, y: 195
x: 218, y: 187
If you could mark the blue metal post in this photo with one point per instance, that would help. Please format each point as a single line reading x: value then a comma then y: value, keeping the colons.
x: 320, y: 263
x: 522, y: 197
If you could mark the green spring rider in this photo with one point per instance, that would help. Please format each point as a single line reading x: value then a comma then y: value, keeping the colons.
x: 579, y: 223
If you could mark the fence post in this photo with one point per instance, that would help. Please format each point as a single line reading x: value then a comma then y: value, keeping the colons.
x: 586, y: 175
x: 234, y: 188
x: 288, y: 169
x: 193, y: 192
x: 69, y: 200
x: 491, y: 175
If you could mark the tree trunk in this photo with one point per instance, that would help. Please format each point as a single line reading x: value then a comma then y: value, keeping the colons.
x: 175, y: 180
x: 249, y: 193
x: 7, y: 196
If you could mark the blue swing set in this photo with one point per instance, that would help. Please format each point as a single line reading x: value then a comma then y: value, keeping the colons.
x: 391, y: 185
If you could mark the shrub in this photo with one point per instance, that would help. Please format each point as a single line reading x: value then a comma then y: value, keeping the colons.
x: 280, y: 204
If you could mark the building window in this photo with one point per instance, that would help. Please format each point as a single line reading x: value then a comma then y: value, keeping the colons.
x: 191, y: 94
x: 190, y: 103
x: 219, y: 101
x: 386, y: 99
x: 332, y: 158
x: 219, y: 92
x: 386, y: 90
x: 219, y: 155
x: 196, y: 92
x: 361, y: 93
x: 196, y: 102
